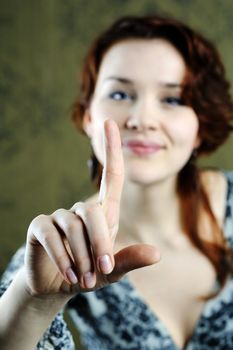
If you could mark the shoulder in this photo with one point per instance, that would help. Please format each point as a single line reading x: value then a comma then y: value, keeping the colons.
x: 215, y: 183
x: 214, y: 180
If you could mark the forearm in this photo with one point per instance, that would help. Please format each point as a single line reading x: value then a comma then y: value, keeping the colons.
x: 24, y: 318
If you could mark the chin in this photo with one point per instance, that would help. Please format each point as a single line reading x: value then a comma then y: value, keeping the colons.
x: 145, y: 173
x: 143, y: 178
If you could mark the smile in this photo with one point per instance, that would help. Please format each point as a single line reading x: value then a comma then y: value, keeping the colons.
x: 142, y: 147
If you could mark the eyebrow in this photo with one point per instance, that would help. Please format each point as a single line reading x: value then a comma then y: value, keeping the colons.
x: 172, y: 85
x: 120, y: 79
x: 130, y: 82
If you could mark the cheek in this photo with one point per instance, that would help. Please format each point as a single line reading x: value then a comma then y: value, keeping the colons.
x: 184, y: 132
x: 103, y: 110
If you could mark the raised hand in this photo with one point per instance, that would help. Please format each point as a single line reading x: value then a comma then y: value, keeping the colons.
x: 72, y: 250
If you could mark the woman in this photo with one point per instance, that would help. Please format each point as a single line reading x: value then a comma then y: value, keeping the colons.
x: 153, y: 98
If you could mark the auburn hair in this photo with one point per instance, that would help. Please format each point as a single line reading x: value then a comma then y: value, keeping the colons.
x: 205, y: 89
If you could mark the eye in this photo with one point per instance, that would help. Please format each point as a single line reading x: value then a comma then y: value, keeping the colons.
x: 173, y: 101
x: 120, y: 95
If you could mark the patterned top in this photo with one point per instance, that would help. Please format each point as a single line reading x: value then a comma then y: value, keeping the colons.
x: 116, y: 317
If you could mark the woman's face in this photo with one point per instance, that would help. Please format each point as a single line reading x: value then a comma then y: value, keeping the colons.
x: 139, y: 86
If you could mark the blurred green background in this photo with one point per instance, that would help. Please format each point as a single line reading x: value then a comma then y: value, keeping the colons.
x: 42, y: 158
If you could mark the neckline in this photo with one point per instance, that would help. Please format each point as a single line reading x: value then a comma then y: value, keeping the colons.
x: 205, y: 305
x: 157, y: 320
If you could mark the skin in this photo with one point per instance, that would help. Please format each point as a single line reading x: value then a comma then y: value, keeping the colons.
x: 96, y: 242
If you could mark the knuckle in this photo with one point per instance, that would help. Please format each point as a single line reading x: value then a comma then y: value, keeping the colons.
x: 76, y: 206
x: 38, y: 221
x: 84, y: 264
x: 59, y: 212
x: 42, y: 217
x: 113, y: 200
x: 112, y: 172
x: 61, y: 261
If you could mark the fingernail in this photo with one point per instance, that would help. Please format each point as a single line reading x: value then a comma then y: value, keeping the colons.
x: 71, y: 276
x: 89, y: 280
x: 105, y: 264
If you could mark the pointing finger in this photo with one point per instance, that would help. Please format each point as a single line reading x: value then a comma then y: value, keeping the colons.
x: 113, y: 174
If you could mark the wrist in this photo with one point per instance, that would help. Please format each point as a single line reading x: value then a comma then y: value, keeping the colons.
x: 26, y: 316
x: 39, y: 303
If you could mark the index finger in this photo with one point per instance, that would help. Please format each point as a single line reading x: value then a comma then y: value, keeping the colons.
x: 113, y: 172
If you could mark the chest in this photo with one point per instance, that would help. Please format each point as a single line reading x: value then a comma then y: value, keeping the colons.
x: 173, y: 289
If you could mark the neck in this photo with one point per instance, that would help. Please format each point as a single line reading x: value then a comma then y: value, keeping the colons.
x: 150, y: 214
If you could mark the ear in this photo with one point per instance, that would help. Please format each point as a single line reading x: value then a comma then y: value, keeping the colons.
x: 87, y: 123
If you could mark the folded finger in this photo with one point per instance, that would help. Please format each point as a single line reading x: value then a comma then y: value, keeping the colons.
x: 98, y: 235
x: 79, y: 245
x: 50, y: 239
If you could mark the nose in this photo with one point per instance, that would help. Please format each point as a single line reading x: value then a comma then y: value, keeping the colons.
x: 143, y: 116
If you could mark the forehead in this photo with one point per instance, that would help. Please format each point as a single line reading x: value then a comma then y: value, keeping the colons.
x: 143, y: 58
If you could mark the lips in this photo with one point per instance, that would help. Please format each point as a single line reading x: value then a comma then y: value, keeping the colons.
x: 142, y: 147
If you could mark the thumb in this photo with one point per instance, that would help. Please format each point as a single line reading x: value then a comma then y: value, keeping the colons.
x: 131, y: 258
